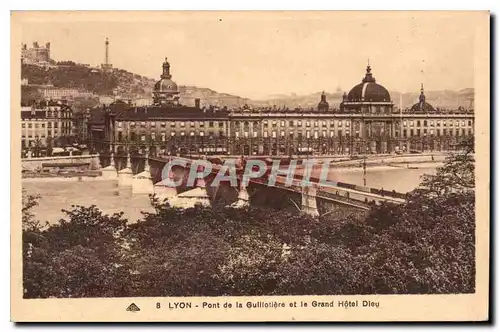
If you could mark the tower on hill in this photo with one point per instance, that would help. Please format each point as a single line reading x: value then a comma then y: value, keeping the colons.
x: 106, y: 65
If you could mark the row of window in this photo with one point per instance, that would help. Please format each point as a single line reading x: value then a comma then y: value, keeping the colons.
x: 245, y: 125
x: 291, y: 135
x: 162, y: 136
x: 55, y: 132
x: 308, y: 134
x: 59, y: 114
x: 445, y: 132
x: 49, y: 114
x: 438, y: 123
x: 49, y: 125
x: 294, y: 123
x: 211, y: 124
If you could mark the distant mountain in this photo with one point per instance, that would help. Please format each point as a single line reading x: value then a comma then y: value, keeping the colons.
x: 132, y: 86
x: 441, y: 99
x: 294, y: 100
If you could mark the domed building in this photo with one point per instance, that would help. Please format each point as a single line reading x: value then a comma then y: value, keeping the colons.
x: 166, y: 90
x: 367, y: 97
x: 422, y: 106
x: 371, y: 100
x: 366, y: 123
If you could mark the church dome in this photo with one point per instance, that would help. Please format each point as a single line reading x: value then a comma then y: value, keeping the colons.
x: 422, y: 106
x: 166, y: 91
x: 368, y: 90
x: 166, y: 84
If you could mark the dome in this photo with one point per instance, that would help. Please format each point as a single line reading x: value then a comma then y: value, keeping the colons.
x: 422, y: 106
x: 368, y: 90
x: 166, y: 85
x: 165, y: 90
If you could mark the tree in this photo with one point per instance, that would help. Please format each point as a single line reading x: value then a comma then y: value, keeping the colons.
x: 81, y: 256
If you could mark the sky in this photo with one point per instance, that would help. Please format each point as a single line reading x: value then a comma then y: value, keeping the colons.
x: 257, y: 54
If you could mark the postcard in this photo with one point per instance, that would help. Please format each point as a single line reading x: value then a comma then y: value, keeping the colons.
x: 236, y: 166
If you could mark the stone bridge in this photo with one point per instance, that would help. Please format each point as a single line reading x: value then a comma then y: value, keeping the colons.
x: 144, y: 175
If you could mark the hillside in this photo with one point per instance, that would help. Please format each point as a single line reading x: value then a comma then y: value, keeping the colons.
x: 209, y: 97
x: 117, y: 82
x: 71, y: 75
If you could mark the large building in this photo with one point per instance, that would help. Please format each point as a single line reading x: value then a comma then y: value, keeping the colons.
x: 37, y: 55
x: 45, y: 123
x: 366, y: 122
x: 52, y: 93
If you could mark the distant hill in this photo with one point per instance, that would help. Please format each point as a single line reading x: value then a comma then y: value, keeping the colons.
x: 118, y: 82
x: 70, y: 76
x: 441, y: 99
x: 209, y: 97
x: 294, y: 100
x: 128, y: 85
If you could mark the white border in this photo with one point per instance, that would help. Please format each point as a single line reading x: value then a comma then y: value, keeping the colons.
x: 176, y: 5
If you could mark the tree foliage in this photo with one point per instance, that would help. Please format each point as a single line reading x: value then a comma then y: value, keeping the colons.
x: 74, y: 76
x: 424, y: 246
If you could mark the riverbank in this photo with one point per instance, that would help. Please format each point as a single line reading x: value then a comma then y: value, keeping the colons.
x: 54, y: 179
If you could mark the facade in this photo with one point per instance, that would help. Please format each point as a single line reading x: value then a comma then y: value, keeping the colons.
x: 45, y: 122
x: 366, y: 122
x: 64, y: 93
x: 38, y: 55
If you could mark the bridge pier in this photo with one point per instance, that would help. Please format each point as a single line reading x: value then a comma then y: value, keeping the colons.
x: 190, y: 198
x: 243, y: 197
x: 109, y: 172
x: 125, y: 176
x: 309, y: 204
x: 163, y: 190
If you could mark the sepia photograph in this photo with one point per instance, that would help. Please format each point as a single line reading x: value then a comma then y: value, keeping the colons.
x: 287, y: 164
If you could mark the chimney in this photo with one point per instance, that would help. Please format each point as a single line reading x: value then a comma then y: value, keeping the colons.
x: 197, y: 102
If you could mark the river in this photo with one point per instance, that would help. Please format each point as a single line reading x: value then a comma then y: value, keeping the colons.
x: 58, y: 195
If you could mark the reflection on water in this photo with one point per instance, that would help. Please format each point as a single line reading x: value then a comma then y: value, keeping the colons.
x: 110, y: 198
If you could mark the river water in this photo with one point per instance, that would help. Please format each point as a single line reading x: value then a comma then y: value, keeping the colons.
x: 106, y: 195
x: 400, y: 179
